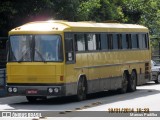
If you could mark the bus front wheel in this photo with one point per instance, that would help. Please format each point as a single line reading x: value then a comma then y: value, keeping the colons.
x: 132, y: 82
x: 123, y: 88
x: 82, y: 89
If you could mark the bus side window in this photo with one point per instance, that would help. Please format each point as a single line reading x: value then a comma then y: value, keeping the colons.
x: 134, y: 41
x: 143, y: 44
x: 124, y: 41
x: 80, y: 42
x: 91, y: 40
x: 69, y: 48
x: 115, y: 41
x: 129, y: 44
x: 104, y: 42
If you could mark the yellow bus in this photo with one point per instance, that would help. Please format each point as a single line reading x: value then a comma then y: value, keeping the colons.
x: 60, y: 58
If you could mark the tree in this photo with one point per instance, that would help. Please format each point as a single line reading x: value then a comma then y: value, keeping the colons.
x: 66, y: 9
x: 145, y: 12
x: 99, y: 10
x: 17, y: 12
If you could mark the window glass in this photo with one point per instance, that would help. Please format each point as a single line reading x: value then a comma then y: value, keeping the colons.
x: 69, y: 48
x: 35, y: 48
x: 104, y: 42
x: 69, y: 42
x: 119, y: 41
x: 140, y: 38
x: 69, y: 45
x: 91, y: 40
x: 48, y: 48
x: 115, y: 41
x: 134, y: 41
x: 20, y: 48
x: 142, y: 41
x: 80, y: 42
x: 124, y: 41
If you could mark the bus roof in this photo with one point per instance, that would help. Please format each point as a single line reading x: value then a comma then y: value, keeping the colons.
x: 84, y: 26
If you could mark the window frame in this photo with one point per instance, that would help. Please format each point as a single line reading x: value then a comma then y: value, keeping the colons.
x: 73, y: 48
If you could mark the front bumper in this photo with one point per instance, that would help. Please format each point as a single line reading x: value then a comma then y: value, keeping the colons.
x: 36, y: 90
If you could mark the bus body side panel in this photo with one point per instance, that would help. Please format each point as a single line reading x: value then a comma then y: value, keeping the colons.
x: 71, y: 80
x: 104, y: 70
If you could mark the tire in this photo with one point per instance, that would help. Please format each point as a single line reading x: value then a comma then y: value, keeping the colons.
x: 81, y: 89
x: 124, y: 83
x: 32, y: 99
x: 158, y: 79
x: 132, y: 82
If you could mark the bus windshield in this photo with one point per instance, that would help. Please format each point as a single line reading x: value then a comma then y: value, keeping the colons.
x: 40, y: 48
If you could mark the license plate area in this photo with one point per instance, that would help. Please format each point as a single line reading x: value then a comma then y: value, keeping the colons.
x: 32, y: 91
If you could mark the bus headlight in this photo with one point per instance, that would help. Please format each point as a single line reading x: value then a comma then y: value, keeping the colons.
x: 10, y: 89
x: 15, y: 90
x: 56, y: 90
x: 50, y: 90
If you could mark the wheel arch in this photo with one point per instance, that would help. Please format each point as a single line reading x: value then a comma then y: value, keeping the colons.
x: 125, y: 71
x: 85, y: 78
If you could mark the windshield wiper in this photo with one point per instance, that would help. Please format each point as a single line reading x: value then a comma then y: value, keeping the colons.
x: 23, y: 55
x: 40, y: 55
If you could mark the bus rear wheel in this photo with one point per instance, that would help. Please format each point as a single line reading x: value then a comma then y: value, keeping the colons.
x: 81, y: 89
x: 132, y: 82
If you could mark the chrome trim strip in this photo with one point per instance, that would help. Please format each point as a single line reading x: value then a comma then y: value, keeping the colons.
x: 108, y: 65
